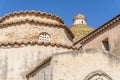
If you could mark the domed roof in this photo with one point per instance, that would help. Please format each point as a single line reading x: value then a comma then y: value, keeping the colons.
x: 79, y: 16
x: 80, y: 31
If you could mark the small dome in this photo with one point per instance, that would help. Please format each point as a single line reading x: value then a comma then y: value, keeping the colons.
x: 79, y: 16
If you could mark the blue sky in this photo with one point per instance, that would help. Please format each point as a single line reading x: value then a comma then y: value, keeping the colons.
x: 97, y: 11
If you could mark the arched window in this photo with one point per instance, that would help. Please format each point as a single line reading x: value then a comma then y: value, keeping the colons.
x: 98, y: 75
x: 44, y: 37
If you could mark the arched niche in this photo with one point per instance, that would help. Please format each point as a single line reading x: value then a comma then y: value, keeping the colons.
x: 98, y: 75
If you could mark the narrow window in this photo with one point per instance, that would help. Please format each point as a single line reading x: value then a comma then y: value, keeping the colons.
x: 105, y: 43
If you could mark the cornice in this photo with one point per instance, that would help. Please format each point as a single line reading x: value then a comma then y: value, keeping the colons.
x: 20, y: 44
x: 98, y: 30
x: 35, y: 13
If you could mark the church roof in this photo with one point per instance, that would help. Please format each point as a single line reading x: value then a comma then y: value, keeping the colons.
x: 98, y: 30
x: 80, y: 30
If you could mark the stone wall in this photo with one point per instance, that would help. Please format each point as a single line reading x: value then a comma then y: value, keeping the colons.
x: 91, y: 64
x: 27, y: 32
x: 17, y: 62
x: 42, y: 73
x: 112, y: 34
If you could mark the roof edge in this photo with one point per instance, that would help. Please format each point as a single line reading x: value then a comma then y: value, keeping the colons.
x: 36, y: 13
x: 98, y: 30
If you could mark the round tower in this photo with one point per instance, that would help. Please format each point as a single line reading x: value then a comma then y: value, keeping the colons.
x: 80, y: 27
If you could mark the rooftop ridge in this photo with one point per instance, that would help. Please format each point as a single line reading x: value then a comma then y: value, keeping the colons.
x: 36, y: 13
x: 19, y: 44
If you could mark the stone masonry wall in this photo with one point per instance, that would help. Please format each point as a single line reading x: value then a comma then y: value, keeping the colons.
x: 112, y: 34
x: 30, y: 32
x: 15, y: 63
x: 42, y: 73
x: 79, y: 65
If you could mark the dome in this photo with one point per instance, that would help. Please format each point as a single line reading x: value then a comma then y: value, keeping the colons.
x: 80, y: 31
x: 79, y: 16
x: 34, y: 27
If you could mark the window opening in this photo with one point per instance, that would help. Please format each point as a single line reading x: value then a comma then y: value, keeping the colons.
x: 44, y: 37
x: 105, y: 43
